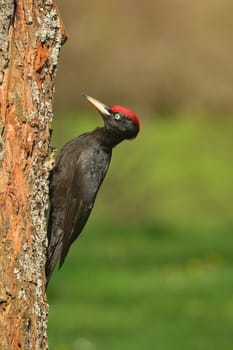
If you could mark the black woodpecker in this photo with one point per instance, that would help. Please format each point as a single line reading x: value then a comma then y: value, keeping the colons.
x: 79, y: 171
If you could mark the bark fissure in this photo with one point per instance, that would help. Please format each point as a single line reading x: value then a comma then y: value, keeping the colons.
x: 31, y: 35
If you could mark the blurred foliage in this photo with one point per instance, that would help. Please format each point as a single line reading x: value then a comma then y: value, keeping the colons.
x: 163, y: 56
x: 153, y: 267
x: 144, y: 287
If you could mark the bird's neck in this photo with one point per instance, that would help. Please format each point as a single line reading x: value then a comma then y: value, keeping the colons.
x: 108, y: 138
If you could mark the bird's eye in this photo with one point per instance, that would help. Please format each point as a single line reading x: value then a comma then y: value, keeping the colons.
x: 117, y: 116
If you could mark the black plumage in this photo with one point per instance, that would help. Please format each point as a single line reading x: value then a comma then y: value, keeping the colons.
x: 78, y: 173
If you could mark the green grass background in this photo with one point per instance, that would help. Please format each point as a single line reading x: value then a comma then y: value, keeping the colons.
x: 153, y: 268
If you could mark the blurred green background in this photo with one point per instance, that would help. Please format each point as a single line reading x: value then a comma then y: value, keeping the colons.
x: 153, y: 267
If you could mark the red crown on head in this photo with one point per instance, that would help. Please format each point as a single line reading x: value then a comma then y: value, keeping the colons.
x: 125, y: 111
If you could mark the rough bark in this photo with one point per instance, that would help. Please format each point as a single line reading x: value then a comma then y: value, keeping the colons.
x: 31, y: 35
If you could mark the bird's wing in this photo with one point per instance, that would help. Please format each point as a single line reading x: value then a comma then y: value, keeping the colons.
x: 75, y: 219
x: 80, y: 199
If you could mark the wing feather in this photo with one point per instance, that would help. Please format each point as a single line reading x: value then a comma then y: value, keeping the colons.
x: 80, y: 200
x: 73, y: 200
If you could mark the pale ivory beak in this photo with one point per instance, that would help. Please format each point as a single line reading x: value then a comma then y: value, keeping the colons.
x: 102, y: 108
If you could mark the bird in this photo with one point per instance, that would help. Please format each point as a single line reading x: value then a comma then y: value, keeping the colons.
x: 77, y: 175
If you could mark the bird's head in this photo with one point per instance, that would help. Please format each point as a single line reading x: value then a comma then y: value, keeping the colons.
x: 117, y: 119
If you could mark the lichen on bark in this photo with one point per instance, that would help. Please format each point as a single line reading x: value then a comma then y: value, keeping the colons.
x: 31, y: 35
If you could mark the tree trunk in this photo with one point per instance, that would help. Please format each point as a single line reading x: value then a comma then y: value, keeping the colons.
x: 31, y: 35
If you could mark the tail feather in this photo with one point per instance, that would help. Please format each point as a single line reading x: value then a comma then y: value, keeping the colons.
x: 55, y: 235
x: 54, y: 249
x: 52, y: 260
